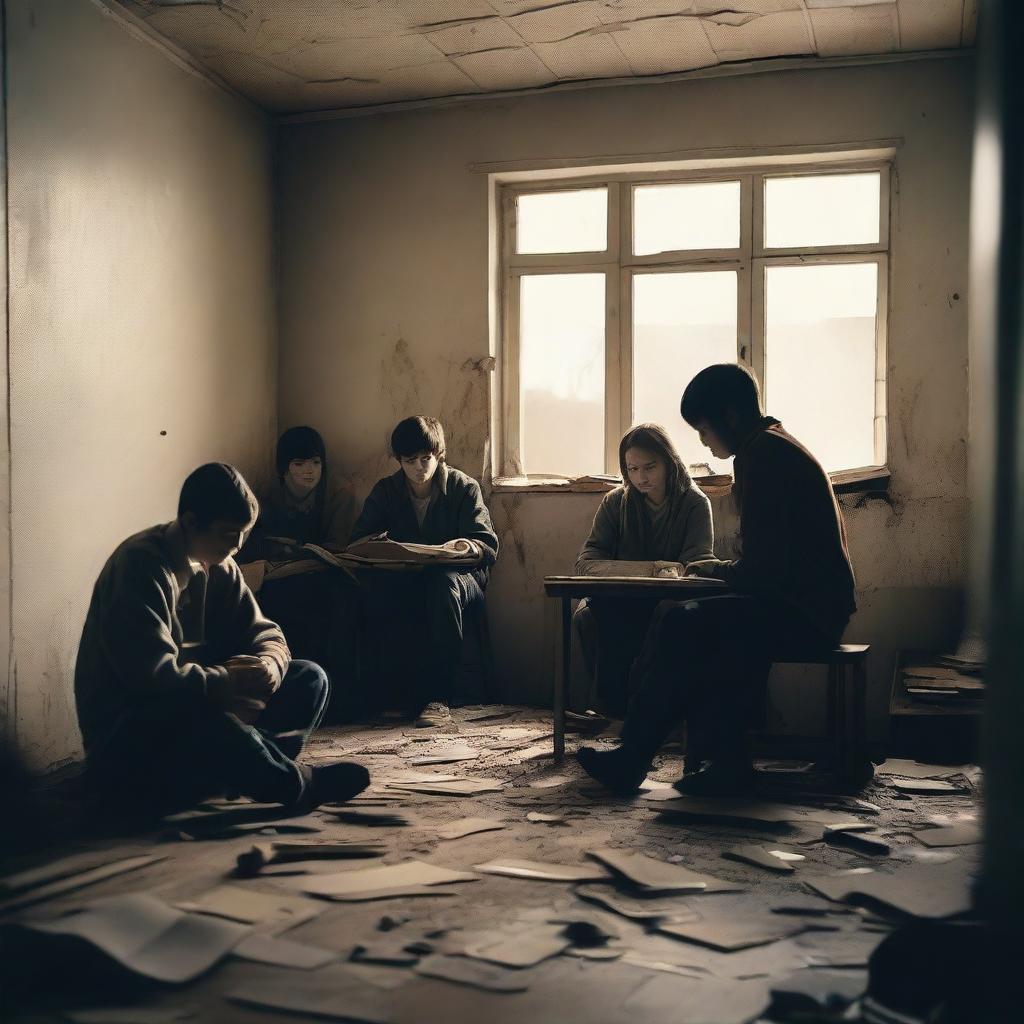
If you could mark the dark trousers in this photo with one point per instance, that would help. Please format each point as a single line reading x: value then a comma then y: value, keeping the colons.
x: 706, y: 661
x: 413, y: 626
x: 612, y: 633
x: 177, y: 749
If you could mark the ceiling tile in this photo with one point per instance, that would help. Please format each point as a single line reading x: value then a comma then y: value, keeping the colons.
x: 929, y: 24
x: 773, y: 35
x: 362, y: 57
x: 612, y: 12
x: 748, y: 6
x: 555, y: 23
x: 589, y: 56
x: 850, y: 31
x: 473, y: 36
x: 665, y: 45
x: 506, y: 69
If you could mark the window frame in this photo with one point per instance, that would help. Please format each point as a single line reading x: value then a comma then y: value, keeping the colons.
x: 750, y: 260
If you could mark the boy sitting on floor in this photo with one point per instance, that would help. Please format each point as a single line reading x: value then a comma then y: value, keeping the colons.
x: 184, y: 690
x: 707, y: 660
x: 426, y: 502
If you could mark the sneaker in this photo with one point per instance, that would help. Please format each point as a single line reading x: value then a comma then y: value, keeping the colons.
x: 618, y: 770
x: 331, y: 784
x: 719, y: 778
x: 435, y: 715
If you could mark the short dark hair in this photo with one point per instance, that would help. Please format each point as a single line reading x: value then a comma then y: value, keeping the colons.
x: 718, y: 388
x: 417, y: 434
x: 215, y: 492
x: 300, y: 443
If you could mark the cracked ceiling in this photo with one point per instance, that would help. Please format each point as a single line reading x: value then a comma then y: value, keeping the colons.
x: 291, y: 56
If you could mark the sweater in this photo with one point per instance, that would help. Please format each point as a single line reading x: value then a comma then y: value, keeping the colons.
x: 792, y: 537
x: 624, y: 541
x: 456, y: 510
x: 283, y: 515
x: 156, y: 627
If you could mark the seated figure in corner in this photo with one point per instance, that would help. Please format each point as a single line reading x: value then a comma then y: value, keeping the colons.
x: 706, y: 661
x: 655, y: 524
x: 414, y: 620
x: 183, y: 689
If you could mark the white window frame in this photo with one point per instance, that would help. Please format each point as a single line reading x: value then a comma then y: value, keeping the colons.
x: 750, y: 260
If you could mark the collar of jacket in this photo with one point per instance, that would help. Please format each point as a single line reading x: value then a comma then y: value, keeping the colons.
x: 763, y: 424
x: 441, y: 477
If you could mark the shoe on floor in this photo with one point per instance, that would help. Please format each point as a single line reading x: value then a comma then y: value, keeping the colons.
x: 435, y: 715
x: 619, y: 770
x: 719, y: 778
x: 332, y: 783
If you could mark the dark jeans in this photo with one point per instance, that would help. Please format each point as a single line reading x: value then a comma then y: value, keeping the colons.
x: 413, y: 627
x: 707, y: 661
x: 177, y: 749
x: 612, y: 633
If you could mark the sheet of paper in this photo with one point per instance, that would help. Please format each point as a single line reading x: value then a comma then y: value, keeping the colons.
x: 521, y: 948
x: 468, y: 827
x: 636, y: 910
x: 266, y: 949
x: 466, y: 787
x: 924, y: 890
x: 916, y: 770
x: 390, y: 893
x: 365, y: 880
x: 759, y: 856
x: 79, y: 881
x: 924, y: 786
x: 451, y: 755
x: 544, y: 872
x: 965, y: 833
x: 731, y: 933
x: 464, y: 971
x: 550, y: 782
x: 698, y: 1000
x: 736, y: 809
x: 657, y: 876
x: 148, y: 937
x: 55, y: 870
x: 337, y: 996
x: 547, y: 819
x: 250, y: 906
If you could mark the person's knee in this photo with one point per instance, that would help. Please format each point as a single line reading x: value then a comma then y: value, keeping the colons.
x: 443, y: 588
x: 310, y: 677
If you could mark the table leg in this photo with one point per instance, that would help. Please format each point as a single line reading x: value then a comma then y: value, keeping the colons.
x: 562, y: 679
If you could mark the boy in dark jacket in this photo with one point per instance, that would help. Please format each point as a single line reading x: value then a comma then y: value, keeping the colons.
x: 708, y: 660
x: 426, y: 502
x: 183, y: 688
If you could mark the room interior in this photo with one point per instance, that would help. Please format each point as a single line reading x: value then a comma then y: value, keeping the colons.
x: 227, y: 218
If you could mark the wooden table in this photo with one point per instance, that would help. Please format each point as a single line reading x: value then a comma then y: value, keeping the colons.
x: 571, y: 588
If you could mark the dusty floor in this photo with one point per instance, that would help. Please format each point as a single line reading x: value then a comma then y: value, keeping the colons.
x: 647, y: 976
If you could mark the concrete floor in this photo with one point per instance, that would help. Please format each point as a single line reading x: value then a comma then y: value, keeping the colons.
x: 655, y: 977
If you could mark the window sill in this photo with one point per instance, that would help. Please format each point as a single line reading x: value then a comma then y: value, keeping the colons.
x: 850, y: 481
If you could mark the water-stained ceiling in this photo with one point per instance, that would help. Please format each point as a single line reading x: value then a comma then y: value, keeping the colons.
x: 303, y: 55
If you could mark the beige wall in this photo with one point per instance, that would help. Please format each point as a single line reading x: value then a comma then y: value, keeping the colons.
x: 385, y: 313
x: 141, y: 302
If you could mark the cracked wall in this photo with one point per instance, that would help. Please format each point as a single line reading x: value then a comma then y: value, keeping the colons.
x: 384, y: 305
x: 141, y: 318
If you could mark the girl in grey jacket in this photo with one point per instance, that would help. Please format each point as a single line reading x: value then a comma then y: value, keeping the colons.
x: 654, y: 524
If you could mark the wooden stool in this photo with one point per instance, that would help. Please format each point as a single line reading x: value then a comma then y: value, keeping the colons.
x: 846, y: 714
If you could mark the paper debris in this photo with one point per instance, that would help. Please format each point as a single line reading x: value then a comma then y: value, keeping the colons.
x: 465, y: 971
x: 464, y: 787
x: 548, y: 819
x: 735, y: 809
x: 468, y: 827
x: 760, y: 857
x: 522, y: 948
x: 266, y: 949
x: 550, y: 782
x: 657, y: 876
x: 731, y: 933
x: 450, y: 755
x: 698, y: 1001
x: 145, y: 936
x: 544, y: 872
x: 411, y: 873
x: 636, y: 910
x: 964, y: 833
x: 924, y: 786
x: 916, y: 770
x: 238, y: 903
x: 859, y: 840
x: 337, y: 996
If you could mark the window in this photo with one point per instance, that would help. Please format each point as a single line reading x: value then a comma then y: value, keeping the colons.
x: 616, y: 291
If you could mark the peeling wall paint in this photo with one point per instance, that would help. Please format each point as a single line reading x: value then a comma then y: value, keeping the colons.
x: 384, y: 305
x: 141, y: 329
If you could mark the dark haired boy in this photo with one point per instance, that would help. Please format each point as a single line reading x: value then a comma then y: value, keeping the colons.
x: 708, y: 660
x: 183, y: 688
x: 426, y: 502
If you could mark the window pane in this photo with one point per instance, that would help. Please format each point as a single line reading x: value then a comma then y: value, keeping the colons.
x: 827, y: 209
x: 562, y: 221
x: 698, y: 216
x: 682, y: 322
x: 820, y: 358
x: 561, y: 352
